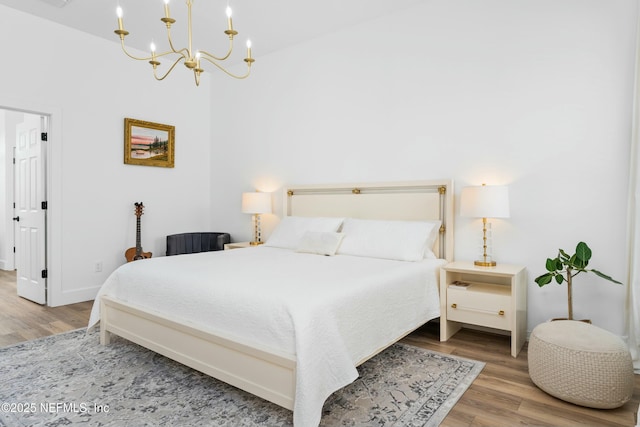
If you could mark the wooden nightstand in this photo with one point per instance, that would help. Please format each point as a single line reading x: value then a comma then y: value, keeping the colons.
x: 496, y: 298
x: 237, y: 245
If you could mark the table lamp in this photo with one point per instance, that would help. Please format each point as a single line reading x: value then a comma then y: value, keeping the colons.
x: 486, y: 201
x: 256, y: 204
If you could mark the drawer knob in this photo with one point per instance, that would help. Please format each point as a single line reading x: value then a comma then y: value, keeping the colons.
x: 454, y: 305
x: 501, y: 313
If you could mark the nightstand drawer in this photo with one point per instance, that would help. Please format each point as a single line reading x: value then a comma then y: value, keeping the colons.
x: 479, y: 308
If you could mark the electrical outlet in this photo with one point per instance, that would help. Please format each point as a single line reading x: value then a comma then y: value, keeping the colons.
x: 98, y: 266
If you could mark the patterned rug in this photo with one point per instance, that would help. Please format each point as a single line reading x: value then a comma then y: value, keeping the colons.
x: 70, y: 379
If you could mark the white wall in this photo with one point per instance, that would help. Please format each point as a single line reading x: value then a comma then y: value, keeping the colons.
x: 89, y: 86
x: 534, y: 94
x: 5, y: 185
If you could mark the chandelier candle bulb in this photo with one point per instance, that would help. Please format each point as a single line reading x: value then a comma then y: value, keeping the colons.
x: 248, y: 49
x: 119, y: 14
x: 229, y: 21
x: 166, y: 9
x: 153, y: 56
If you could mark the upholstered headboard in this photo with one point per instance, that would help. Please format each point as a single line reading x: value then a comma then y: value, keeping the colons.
x: 414, y: 200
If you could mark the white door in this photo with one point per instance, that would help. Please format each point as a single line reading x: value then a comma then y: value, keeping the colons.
x: 30, y: 211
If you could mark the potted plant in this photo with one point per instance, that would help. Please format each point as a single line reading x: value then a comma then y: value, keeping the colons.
x: 564, y: 268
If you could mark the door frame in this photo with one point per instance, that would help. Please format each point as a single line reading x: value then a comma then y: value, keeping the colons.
x: 53, y: 182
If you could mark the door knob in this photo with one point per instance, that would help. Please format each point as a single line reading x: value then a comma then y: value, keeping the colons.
x: 17, y: 218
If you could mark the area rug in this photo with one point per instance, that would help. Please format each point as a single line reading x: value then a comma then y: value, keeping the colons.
x: 70, y: 379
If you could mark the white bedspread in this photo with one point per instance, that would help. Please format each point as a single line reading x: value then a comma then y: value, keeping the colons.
x: 329, y: 312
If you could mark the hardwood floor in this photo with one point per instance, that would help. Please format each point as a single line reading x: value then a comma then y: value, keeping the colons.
x: 502, y: 395
x: 22, y: 320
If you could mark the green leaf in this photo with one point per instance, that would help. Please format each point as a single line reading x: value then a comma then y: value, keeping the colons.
x: 583, y: 253
x: 559, y: 264
x: 604, y: 276
x: 545, y: 279
x: 559, y: 279
x: 551, y: 264
x: 564, y: 255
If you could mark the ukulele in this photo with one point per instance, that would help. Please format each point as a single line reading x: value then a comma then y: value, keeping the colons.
x: 133, y: 254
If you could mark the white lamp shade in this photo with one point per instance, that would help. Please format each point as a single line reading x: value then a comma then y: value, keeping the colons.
x: 487, y: 201
x: 256, y: 203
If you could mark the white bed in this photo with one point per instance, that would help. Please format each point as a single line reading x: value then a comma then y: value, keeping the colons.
x: 287, y: 326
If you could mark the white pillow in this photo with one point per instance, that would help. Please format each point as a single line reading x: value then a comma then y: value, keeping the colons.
x: 431, y: 240
x: 320, y: 242
x: 290, y: 230
x: 398, y: 240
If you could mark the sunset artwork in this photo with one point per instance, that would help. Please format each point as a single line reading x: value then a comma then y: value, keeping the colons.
x: 148, y: 144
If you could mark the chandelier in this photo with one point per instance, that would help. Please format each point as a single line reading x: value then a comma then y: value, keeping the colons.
x: 191, y: 58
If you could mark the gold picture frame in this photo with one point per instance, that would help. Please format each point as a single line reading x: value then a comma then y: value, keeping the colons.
x: 148, y: 143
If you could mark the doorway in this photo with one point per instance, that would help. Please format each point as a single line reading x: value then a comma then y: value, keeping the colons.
x: 23, y: 222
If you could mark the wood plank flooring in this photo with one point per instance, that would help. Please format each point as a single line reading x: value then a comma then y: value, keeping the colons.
x: 502, y: 395
x: 22, y: 320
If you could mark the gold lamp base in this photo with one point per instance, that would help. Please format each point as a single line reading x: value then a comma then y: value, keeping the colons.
x: 484, y: 263
x: 257, y: 231
x: 486, y: 260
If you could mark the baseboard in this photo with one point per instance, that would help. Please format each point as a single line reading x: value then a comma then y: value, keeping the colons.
x: 73, y: 297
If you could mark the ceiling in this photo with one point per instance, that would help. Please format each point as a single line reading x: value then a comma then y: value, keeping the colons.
x: 270, y: 24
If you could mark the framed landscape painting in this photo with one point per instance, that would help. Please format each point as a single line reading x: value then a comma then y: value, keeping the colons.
x: 148, y: 144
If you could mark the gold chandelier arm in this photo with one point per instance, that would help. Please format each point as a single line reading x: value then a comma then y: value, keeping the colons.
x: 124, y: 49
x: 184, y: 51
x: 168, y: 71
x: 181, y: 52
x: 216, y: 58
x: 222, y: 58
x: 221, y: 68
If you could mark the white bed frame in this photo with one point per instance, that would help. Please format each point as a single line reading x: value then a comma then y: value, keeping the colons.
x: 268, y: 374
